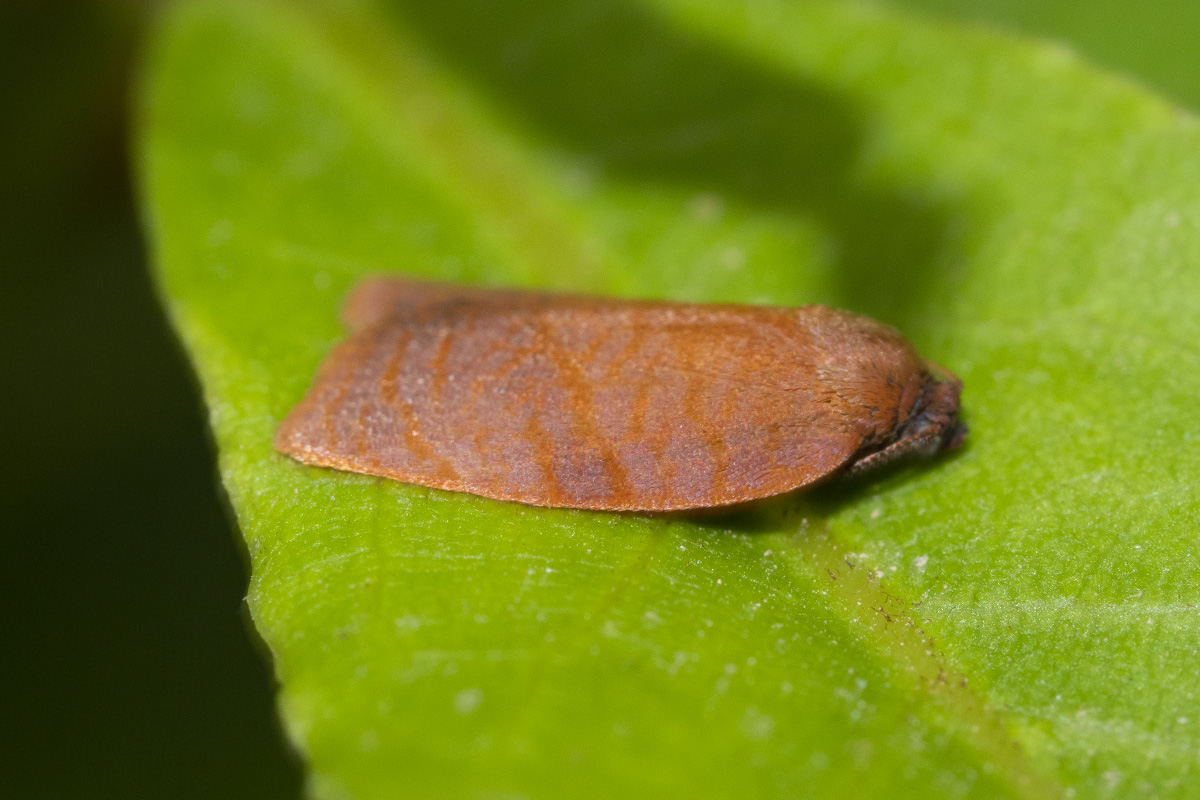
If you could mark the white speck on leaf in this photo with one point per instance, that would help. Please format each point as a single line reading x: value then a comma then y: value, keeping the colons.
x: 733, y: 258
x: 756, y: 724
x: 468, y: 700
x: 220, y: 233
x: 708, y: 207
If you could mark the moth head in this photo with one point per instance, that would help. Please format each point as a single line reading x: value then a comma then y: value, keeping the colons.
x: 931, y: 427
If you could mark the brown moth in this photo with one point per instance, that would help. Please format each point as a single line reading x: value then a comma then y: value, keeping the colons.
x: 584, y: 402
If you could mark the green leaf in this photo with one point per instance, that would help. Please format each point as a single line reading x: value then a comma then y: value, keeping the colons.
x: 1020, y: 620
x: 1154, y: 41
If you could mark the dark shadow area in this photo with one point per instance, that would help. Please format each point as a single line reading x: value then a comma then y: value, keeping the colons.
x: 768, y: 516
x: 813, y: 505
x: 644, y: 101
x: 126, y: 670
x: 829, y: 498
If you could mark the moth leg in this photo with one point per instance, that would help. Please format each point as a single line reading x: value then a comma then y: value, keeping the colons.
x: 923, y: 445
x: 933, y: 429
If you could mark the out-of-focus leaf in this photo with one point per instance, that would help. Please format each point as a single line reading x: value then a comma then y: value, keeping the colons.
x: 1154, y: 42
x: 1019, y: 620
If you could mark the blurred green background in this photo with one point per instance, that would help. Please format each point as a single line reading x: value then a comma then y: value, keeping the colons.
x: 127, y: 668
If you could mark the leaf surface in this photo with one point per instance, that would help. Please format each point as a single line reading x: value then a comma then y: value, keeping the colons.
x: 1020, y: 620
